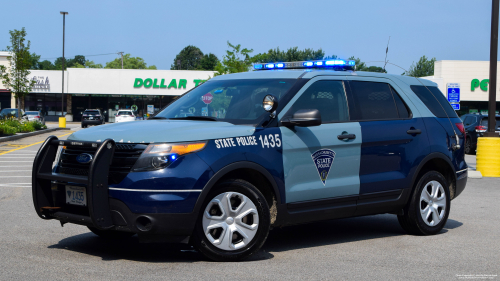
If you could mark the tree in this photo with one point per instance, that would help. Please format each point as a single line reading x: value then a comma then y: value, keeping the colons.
x: 292, y: 54
x: 361, y: 66
x: 208, y: 62
x: 92, y: 64
x: 129, y: 63
x: 46, y: 65
x: 16, y: 78
x: 424, y: 67
x: 188, y: 59
x: 236, y: 60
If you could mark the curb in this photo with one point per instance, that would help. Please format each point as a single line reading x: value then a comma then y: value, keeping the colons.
x: 475, y: 174
x: 25, y: 135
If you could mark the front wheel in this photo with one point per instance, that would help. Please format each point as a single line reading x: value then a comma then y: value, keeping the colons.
x: 429, y: 206
x: 111, y: 234
x: 233, y: 223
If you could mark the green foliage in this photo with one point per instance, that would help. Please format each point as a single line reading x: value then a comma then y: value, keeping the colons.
x: 92, y: 64
x: 208, y: 62
x: 188, y: 59
x: 11, y: 126
x: 424, y: 67
x: 236, y: 60
x: 292, y: 54
x: 21, y: 60
x: 129, y: 63
x: 361, y: 66
x: 45, y: 65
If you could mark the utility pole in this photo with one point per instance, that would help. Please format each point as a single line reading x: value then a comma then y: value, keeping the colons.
x: 62, y: 94
x: 493, y: 71
x: 121, y: 53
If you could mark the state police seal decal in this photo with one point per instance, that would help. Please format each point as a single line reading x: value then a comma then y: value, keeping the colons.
x: 323, y: 160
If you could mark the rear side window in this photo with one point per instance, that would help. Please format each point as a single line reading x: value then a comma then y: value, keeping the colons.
x: 91, y: 112
x: 403, y: 111
x: 435, y: 101
x: 375, y: 101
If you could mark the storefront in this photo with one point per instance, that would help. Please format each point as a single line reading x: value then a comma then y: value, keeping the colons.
x: 473, y: 80
x: 5, y: 95
x: 144, y: 91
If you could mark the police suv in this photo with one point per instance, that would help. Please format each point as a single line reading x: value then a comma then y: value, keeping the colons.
x: 288, y: 143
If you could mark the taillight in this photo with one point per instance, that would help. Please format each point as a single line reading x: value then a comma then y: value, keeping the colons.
x: 85, y: 115
x: 480, y: 129
x: 37, y: 117
x: 460, y: 126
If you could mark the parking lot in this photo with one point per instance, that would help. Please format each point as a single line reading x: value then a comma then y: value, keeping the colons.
x: 372, y: 247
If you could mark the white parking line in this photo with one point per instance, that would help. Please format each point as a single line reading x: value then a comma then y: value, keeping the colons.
x: 24, y: 183
x: 15, y: 161
x: 16, y: 176
x: 16, y: 166
x: 4, y: 157
x: 10, y: 171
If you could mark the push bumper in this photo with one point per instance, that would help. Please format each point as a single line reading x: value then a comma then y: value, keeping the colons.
x: 101, y: 212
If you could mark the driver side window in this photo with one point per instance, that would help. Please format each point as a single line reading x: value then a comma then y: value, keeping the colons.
x: 328, y: 97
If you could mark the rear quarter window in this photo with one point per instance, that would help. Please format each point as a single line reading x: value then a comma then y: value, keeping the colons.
x: 435, y: 101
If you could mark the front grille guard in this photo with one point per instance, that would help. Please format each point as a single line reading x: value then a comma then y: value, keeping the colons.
x: 96, y: 182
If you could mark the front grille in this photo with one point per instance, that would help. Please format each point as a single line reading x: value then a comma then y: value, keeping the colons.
x: 123, y: 160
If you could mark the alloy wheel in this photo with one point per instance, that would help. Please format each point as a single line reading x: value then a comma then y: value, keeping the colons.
x: 230, y: 221
x: 432, y: 203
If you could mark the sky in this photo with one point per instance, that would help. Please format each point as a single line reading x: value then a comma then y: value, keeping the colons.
x: 158, y: 30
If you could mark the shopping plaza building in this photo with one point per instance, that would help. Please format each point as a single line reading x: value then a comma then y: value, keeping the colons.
x: 148, y: 91
x: 144, y: 91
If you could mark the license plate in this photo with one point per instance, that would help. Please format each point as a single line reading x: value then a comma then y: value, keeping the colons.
x: 76, y: 195
x: 91, y: 118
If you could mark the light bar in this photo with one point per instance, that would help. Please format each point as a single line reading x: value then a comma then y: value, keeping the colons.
x: 336, y: 64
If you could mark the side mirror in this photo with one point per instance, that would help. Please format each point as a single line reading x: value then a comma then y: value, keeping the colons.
x: 303, y: 118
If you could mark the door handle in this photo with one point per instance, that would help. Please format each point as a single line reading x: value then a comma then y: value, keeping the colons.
x: 346, y: 137
x: 414, y: 132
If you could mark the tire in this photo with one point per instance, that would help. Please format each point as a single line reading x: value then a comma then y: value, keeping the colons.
x: 84, y: 126
x: 469, y: 148
x: 432, y: 221
x: 224, y: 233
x: 111, y: 234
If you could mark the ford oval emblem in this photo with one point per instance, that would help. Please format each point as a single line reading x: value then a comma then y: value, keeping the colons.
x: 84, y: 158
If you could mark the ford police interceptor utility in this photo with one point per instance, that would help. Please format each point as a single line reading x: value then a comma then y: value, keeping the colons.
x: 289, y: 143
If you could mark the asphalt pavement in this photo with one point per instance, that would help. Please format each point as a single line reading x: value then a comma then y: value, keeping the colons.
x: 363, y: 248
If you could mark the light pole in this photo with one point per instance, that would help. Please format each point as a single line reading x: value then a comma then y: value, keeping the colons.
x: 62, y: 94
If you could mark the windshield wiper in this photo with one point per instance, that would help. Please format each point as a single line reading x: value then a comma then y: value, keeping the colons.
x: 156, y: 117
x: 203, y: 118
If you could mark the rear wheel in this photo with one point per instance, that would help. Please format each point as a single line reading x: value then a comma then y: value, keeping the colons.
x: 233, y: 223
x: 429, y: 206
x: 469, y: 149
x: 111, y: 234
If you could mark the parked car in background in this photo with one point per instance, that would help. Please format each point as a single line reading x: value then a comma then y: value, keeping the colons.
x: 10, y: 113
x: 475, y: 125
x: 92, y: 117
x: 35, y: 116
x: 124, y: 115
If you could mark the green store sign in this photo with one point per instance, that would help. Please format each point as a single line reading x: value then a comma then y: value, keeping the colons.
x: 153, y: 83
x: 483, y: 84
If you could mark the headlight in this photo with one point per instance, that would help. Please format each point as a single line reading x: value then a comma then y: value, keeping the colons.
x: 161, y: 155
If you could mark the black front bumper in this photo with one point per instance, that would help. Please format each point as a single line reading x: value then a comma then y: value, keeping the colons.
x: 101, y: 212
x: 91, y: 122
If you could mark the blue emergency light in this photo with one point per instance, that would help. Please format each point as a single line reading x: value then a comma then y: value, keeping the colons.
x: 336, y: 64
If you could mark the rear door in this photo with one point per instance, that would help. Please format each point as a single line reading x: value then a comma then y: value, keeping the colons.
x: 394, y: 142
x: 317, y: 164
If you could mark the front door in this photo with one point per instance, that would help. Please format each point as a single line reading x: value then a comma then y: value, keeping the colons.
x: 318, y: 162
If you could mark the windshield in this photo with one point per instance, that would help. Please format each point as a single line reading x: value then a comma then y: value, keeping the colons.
x: 122, y: 113
x: 234, y: 101
x: 91, y: 112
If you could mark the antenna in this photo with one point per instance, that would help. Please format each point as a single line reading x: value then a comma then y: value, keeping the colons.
x: 386, y: 50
